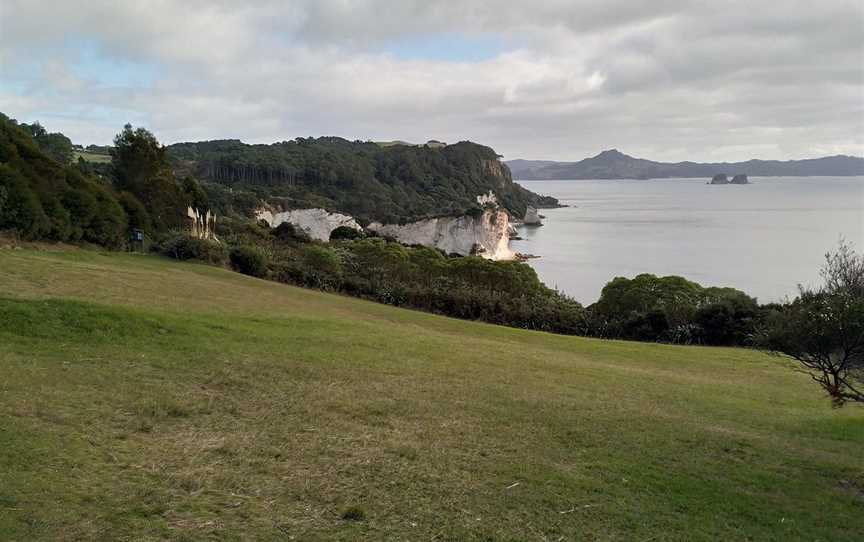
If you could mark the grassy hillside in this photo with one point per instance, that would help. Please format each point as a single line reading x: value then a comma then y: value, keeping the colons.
x: 88, y: 156
x: 145, y: 399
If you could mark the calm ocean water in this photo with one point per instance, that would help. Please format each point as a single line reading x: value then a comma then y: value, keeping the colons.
x: 764, y: 238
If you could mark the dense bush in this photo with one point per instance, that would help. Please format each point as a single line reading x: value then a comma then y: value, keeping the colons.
x: 182, y: 246
x: 248, y: 260
x: 20, y: 209
x: 287, y: 232
x: 344, y: 233
x: 673, y: 309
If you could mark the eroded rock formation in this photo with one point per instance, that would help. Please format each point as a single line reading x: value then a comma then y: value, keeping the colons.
x: 317, y: 223
x: 532, y: 217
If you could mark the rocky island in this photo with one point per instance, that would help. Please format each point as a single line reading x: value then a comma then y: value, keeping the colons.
x: 721, y: 178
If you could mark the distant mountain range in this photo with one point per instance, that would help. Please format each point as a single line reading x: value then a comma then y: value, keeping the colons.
x: 613, y: 164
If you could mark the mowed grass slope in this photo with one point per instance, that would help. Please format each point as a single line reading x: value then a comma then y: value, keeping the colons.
x: 144, y: 399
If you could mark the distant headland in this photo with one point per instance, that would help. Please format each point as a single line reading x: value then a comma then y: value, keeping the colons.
x: 613, y: 164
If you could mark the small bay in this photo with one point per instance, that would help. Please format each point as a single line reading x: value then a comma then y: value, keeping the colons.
x: 763, y: 238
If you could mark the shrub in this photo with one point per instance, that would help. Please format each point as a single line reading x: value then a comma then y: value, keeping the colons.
x: 323, y: 266
x: 185, y: 247
x: 289, y: 233
x: 345, y: 233
x: 354, y: 513
x: 248, y: 260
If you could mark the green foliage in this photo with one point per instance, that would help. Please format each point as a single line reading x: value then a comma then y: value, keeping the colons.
x: 322, y: 264
x: 823, y: 328
x: 44, y: 200
x: 137, y: 214
x: 248, y: 260
x: 57, y: 146
x: 140, y: 167
x: 391, y: 184
x: 473, y: 288
x: 343, y: 233
x: 182, y: 246
x: 20, y: 209
x: 195, y: 195
x: 289, y: 233
x: 673, y: 309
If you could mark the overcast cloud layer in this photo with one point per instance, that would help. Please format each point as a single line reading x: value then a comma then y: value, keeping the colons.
x: 556, y: 79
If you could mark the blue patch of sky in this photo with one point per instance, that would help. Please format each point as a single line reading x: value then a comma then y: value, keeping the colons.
x: 92, y: 63
x: 88, y: 62
x: 448, y: 47
x: 84, y: 60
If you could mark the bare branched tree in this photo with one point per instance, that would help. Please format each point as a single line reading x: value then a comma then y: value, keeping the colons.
x: 823, y: 328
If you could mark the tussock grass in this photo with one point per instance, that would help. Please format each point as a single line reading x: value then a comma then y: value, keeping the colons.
x: 144, y: 399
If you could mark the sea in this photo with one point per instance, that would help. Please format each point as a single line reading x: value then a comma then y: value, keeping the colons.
x: 764, y: 238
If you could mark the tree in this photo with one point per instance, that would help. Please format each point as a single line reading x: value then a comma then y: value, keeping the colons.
x: 823, y: 328
x: 141, y: 168
x: 56, y: 145
x: 248, y: 260
x: 20, y: 209
x: 323, y: 265
x: 137, y: 157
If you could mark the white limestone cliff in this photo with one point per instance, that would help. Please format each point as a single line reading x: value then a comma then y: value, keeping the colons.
x: 486, y: 235
x: 317, y: 223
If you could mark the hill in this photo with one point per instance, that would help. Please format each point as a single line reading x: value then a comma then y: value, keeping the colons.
x: 373, y: 182
x: 42, y: 198
x: 146, y: 399
x: 613, y: 164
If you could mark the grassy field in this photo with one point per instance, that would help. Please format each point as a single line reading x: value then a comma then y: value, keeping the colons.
x: 144, y: 399
x: 91, y: 157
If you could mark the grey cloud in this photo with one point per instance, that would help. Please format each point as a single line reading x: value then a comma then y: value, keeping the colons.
x: 663, y: 79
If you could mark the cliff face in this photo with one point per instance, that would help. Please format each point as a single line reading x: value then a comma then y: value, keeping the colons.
x: 486, y: 235
x: 317, y: 223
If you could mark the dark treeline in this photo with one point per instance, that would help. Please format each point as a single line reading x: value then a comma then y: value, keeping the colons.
x: 44, y: 195
x: 371, y: 182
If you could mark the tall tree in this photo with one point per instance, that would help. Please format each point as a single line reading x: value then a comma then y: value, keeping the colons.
x: 141, y: 168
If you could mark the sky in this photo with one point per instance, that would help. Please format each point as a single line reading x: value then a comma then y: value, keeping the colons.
x: 543, y: 79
